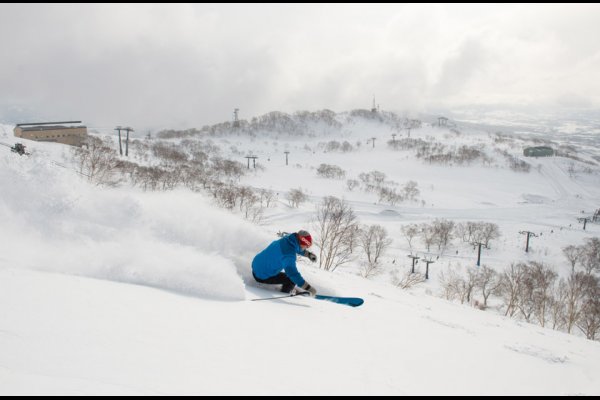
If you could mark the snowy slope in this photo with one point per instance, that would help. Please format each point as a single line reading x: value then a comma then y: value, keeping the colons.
x: 118, y: 291
x: 67, y: 335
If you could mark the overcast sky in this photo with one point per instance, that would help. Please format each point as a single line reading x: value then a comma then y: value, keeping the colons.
x: 154, y: 66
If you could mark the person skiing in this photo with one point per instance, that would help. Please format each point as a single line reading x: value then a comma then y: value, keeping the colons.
x: 280, y: 255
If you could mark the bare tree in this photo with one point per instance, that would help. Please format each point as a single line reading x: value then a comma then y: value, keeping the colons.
x: 455, y: 286
x: 407, y: 280
x: 575, y: 290
x: 469, y: 284
x: 487, y: 232
x: 246, y: 194
x: 126, y: 169
x: 168, y: 153
x: 442, y: 233
x: 214, y: 186
x: 525, y: 301
x: 590, y: 255
x: 377, y: 177
x: 573, y: 254
x: 267, y: 196
x: 331, y: 171
x: 512, y: 280
x: 410, y: 191
x: 488, y: 281
x: 589, y: 320
x: 171, y: 177
x: 372, y: 180
x: 558, y: 306
x: 191, y: 173
x: 388, y: 195
x: 148, y: 177
x: 227, y: 196
x: 542, y: 281
x: 227, y: 168
x: 467, y: 231
x: 97, y: 160
x: 428, y: 235
x: 409, y: 232
x: 336, y: 226
x: 295, y: 197
x: 535, y: 294
x: 450, y: 282
x: 374, y: 241
x: 252, y: 207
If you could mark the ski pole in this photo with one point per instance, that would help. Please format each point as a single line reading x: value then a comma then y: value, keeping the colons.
x: 282, y: 297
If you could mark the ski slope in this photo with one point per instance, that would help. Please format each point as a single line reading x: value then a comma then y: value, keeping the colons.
x: 117, y: 291
x: 67, y: 335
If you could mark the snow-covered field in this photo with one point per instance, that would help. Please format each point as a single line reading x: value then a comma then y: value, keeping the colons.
x: 121, y: 291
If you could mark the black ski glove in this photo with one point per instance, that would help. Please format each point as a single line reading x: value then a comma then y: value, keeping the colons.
x: 310, y: 256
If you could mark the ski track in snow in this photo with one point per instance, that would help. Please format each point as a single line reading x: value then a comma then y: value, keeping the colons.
x: 538, y: 352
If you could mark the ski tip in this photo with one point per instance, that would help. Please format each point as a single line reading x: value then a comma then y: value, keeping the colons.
x: 349, y: 301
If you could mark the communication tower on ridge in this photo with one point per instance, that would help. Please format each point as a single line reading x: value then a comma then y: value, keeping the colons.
x: 236, y: 121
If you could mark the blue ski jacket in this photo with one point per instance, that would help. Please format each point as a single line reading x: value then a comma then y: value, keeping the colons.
x: 279, y: 255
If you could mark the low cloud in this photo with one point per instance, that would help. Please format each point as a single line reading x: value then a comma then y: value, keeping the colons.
x: 180, y: 66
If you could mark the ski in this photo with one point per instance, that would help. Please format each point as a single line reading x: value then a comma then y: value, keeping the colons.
x: 349, y: 301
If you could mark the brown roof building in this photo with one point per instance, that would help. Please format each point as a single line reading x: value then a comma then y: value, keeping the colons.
x: 68, y: 132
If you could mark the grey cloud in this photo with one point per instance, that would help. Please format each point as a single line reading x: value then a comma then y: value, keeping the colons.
x: 152, y: 66
x: 460, y: 68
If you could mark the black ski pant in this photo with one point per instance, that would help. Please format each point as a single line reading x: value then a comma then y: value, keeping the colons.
x: 279, y: 279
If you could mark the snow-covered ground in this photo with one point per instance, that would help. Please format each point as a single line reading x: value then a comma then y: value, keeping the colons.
x: 120, y: 291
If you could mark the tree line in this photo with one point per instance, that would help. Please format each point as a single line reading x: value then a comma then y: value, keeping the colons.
x: 534, y: 292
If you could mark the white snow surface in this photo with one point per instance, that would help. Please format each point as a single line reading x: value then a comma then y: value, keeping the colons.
x: 116, y: 291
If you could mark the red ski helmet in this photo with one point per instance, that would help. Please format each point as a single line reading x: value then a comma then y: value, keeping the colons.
x: 304, y: 238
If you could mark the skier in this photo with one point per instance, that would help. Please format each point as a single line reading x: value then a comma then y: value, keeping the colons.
x: 280, y: 255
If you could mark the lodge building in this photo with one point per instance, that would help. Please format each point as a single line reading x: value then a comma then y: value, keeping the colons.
x: 67, y: 132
